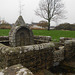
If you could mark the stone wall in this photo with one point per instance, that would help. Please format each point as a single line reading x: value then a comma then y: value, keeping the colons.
x: 38, y: 56
x: 37, y: 39
x: 58, y: 55
x: 69, y: 48
x: 63, y: 39
x: 42, y: 39
x: 65, y: 52
x: 2, y: 38
x: 34, y: 57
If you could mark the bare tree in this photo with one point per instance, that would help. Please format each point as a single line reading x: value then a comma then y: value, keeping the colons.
x: 51, y: 10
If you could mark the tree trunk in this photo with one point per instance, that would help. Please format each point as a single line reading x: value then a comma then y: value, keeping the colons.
x: 48, y: 24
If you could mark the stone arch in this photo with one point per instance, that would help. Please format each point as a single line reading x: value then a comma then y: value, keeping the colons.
x: 21, y: 36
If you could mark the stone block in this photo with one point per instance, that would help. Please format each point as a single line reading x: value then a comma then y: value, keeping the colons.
x: 69, y: 48
x: 16, y: 70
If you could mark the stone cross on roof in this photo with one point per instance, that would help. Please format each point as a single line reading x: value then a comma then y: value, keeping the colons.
x: 20, y: 22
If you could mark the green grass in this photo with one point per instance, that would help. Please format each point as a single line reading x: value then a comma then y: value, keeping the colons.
x: 55, y: 34
x: 4, y: 32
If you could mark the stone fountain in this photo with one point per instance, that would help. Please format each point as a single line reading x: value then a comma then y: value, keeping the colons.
x: 33, y: 52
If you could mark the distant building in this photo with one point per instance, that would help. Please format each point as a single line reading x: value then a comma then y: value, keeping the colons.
x: 34, y: 25
x: 52, y: 27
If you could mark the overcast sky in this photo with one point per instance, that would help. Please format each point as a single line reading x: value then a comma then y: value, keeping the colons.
x: 9, y: 10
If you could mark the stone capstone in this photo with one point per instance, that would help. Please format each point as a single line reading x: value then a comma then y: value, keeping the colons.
x: 16, y: 70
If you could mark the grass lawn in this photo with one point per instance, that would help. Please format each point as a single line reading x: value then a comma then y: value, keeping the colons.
x: 4, y: 32
x: 55, y: 34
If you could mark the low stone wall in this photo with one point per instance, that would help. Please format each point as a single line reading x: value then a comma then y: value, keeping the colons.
x: 37, y: 39
x: 58, y: 55
x: 42, y: 39
x: 2, y: 38
x: 34, y: 57
x: 38, y: 56
x: 65, y: 52
x: 69, y: 48
x: 63, y: 39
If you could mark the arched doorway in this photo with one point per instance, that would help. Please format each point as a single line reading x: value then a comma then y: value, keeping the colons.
x: 23, y: 37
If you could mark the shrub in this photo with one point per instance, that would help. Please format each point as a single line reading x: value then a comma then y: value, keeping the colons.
x: 5, y: 26
x: 65, y: 26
